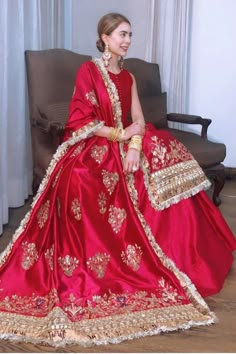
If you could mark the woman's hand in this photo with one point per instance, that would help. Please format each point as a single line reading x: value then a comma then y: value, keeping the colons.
x: 134, y: 129
x: 131, y: 161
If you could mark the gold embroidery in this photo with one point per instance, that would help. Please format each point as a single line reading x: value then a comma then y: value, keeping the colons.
x: 102, y: 200
x: 168, y: 293
x: 171, y: 184
x: 73, y: 309
x: 78, y: 149
x: 30, y: 305
x: 43, y: 214
x: 132, y: 256
x: 30, y: 255
x: 75, y: 207
x: 68, y: 264
x: 116, y: 218
x: 98, y: 152
x: 87, y: 130
x: 49, y: 256
x: 56, y: 177
x: 112, y: 92
x: 56, y: 329
x: 165, y: 156
x: 98, y: 263
x: 110, y: 180
x: 91, y: 96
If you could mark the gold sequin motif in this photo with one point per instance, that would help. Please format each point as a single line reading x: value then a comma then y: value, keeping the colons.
x: 116, y: 218
x: 91, y: 96
x: 75, y: 207
x: 98, y: 264
x: 132, y: 256
x: 98, y: 152
x: 68, y: 264
x: 43, y: 214
x: 49, y: 256
x: 110, y: 180
x: 30, y: 255
x: 102, y: 200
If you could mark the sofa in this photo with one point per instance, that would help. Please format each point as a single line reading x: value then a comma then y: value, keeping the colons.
x: 51, y: 76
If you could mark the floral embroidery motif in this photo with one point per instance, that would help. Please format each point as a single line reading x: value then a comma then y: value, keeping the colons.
x: 98, y: 263
x: 78, y: 149
x: 110, y: 180
x: 43, y: 214
x: 102, y: 200
x: 116, y: 218
x: 132, y: 256
x: 164, y: 156
x: 68, y: 264
x: 111, y: 304
x: 30, y: 305
x: 98, y: 152
x: 56, y: 177
x: 75, y: 207
x: 30, y: 255
x: 49, y: 256
x: 92, y: 98
x: 168, y: 293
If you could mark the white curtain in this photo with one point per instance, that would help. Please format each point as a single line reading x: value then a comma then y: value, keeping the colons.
x: 24, y: 24
x: 168, y: 46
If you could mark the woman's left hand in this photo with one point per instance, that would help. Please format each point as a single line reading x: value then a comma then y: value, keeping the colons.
x: 131, y: 161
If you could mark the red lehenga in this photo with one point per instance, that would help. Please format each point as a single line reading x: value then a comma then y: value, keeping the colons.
x: 102, y: 257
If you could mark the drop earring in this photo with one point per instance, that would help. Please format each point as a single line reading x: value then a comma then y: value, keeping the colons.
x: 106, y: 56
x: 121, y: 62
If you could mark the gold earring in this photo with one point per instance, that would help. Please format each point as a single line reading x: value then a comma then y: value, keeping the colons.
x: 106, y: 56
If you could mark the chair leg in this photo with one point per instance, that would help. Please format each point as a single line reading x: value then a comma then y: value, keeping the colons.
x: 217, y: 176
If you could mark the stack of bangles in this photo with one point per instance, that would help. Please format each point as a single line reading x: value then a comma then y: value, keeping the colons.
x: 116, y: 134
x: 136, y: 142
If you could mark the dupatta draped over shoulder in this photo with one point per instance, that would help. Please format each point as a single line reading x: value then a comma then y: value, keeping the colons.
x: 86, y: 265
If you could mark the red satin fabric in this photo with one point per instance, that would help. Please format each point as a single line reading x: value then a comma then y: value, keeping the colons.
x: 77, y: 213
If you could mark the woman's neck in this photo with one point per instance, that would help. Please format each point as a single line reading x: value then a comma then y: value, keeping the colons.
x: 114, y: 65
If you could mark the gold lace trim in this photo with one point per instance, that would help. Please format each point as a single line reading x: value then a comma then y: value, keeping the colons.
x: 57, y: 330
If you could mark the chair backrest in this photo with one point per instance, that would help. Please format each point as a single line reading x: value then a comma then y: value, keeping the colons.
x: 147, y: 76
x: 51, y: 76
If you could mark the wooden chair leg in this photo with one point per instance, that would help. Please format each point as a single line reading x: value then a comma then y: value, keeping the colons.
x: 217, y: 176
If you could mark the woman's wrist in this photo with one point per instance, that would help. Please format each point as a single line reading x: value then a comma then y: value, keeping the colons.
x: 136, y: 142
x: 116, y: 134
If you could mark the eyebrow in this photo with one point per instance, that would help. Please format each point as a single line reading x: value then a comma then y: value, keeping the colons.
x: 126, y: 32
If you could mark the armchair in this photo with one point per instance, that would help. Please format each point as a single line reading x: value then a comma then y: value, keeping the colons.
x: 51, y: 76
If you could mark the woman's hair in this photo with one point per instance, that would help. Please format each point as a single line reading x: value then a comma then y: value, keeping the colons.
x: 106, y: 25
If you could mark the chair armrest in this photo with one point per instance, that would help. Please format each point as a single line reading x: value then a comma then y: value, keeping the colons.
x: 54, y: 129
x: 191, y: 119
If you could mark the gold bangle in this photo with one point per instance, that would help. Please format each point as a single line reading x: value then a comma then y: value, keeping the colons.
x: 136, y: 142
x: 116, y: 134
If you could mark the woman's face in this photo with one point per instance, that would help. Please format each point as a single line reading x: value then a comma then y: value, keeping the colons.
x: 119, y: 40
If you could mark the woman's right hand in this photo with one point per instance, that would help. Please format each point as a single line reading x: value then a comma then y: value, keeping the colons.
x: 134, y: 129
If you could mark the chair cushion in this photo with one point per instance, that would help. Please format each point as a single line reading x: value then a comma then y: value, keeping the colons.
x: 206, y: 152
x: 55, y: 112
x: 155, y: 110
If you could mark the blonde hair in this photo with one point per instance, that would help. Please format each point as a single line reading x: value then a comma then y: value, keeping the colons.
x: 106, y: 25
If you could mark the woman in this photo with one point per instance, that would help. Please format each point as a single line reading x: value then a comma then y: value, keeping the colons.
x: 119, y: 233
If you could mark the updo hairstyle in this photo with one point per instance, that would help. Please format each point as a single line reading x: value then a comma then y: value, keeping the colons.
x: 106, y: 25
